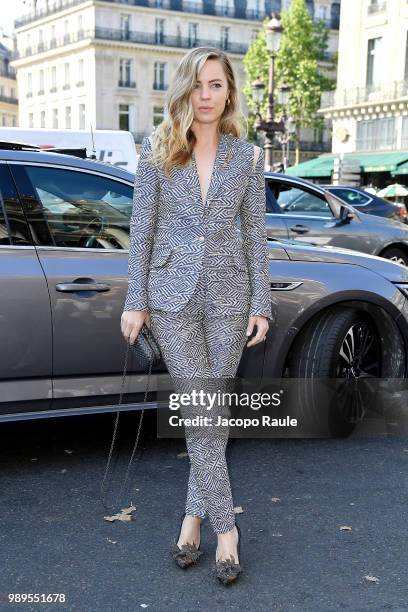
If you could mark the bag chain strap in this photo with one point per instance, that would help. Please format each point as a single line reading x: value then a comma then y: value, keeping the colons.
x: 116, y: 427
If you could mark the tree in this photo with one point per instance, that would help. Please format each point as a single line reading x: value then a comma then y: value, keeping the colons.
x: 303, y: 44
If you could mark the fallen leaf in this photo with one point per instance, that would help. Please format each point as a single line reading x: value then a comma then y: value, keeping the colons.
x: 112, y: 541
x: 372, y: 578
x: 238, y: 510
x: 63, y: 471
x: 278, y: 535
x: 69, y: 451
x: 125, y: 515
x: 181, y: 455
x: 34, y: 459
x: 144, y: 605
x: 275, y: 499
x: 345, y: 528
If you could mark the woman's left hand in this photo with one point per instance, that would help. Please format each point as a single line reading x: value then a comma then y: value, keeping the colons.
x: 262, y: 327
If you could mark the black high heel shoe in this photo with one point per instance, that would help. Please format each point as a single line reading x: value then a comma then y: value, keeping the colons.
x: 227, y: 571
x: 188, y: 554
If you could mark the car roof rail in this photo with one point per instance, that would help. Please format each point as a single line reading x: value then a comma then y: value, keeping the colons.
x: 21, y: 146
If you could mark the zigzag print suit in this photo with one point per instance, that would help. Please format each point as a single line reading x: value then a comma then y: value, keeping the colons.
x: 201, y: 277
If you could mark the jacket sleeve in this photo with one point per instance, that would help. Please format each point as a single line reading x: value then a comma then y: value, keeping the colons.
x: 142, y: 228
x: 253, y: 226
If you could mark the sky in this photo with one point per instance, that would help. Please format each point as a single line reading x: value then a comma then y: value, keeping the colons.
x: 9, y: 11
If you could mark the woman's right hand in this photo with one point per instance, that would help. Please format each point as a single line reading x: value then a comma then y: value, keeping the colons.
x: 131, y: 323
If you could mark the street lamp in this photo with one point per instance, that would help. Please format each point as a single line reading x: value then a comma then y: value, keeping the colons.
x: 289, y: 123
x: 273, y: 35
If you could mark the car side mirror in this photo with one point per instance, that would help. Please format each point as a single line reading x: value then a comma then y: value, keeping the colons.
x: 342, y: 213
x: 345, y: 215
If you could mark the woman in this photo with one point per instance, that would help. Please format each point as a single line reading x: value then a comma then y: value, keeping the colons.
x: 198, y: 281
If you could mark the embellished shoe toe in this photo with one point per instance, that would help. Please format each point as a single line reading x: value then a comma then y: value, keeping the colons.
x: 187, y: 554
x: 226, y: 570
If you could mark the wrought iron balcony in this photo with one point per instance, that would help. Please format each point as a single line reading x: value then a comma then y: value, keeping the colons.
x: 8, y: 100
x: 144, y: 38
x: 382, y: 92
x: 207, y: 7
x: 125, y: 83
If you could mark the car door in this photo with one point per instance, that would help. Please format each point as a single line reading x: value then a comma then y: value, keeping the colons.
x: 82, y: 222
x: 25, y: 314
x: 311, y: 219
x: 276, y: 227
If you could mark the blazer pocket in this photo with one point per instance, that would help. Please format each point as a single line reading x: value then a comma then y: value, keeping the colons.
x: 160, y: 257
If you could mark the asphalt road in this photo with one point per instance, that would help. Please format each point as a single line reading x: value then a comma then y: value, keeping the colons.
x: 54, y: 538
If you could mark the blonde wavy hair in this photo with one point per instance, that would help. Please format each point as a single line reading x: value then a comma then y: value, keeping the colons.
x: 173, y: 141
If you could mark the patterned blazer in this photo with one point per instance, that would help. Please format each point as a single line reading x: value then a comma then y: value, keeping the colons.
x: 173, y: 233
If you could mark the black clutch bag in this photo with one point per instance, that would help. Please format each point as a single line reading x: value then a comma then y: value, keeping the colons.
x: 146, y: 349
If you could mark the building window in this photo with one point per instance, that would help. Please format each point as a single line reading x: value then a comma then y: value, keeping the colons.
x: 373, y: 62
x: 80, y: 26
x: 66, y: 32
x: 67, y: 76
x: 159, y: 76
x: 54, y: 78
x: 29, y: 84
x: 224, y: 37
x: 376, y: 134
x: 159, y: 31
x: 406, y: 59
x: 68, y: 117
x: 81, y: 116
x: 55, y: 118
x: 124, y: 117
x: 4, y: 120
x: 192, y: 34
x: 158, y: 115
x: 30, y: 120
x: 125, y: 72
x: 42, y: 119
x: 41, y: 90
x: 14, y: 121
x: 53, y: 41
x: 80, y: 81
x: 125, y: 26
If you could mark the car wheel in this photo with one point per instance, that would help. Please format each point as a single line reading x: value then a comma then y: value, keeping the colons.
x: 341, y: 346
x: 397, y: 255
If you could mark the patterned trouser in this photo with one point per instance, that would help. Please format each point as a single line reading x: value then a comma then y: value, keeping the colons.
x: 202, y: 349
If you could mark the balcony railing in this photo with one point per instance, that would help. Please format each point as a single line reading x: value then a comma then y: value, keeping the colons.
x: 146, y: 38
x: 8, y: 73
x: 166, y: 40
x: 8, y: 100
x: 208, y: 7
x: 370, y: 93
x: 122, y: 83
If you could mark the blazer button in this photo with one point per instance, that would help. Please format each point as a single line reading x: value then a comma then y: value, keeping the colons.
x: 201, y: 238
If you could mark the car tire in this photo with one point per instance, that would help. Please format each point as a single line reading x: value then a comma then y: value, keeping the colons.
x: 326, y: 387
x: 396, y: 254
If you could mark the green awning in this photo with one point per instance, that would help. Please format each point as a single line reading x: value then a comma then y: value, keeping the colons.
x: 313, y: 168
x: 401, y: 169
x: 390, y: 161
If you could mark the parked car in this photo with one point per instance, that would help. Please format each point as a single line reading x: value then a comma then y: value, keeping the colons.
x: 297, y: 208
x: 369, y: 203
x: 64, y: 239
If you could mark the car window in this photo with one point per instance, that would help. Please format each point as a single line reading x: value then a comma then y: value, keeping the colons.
x: 355, y: 198
x: 82, y: 209
x: 297, y: 201
x: 4, y: 235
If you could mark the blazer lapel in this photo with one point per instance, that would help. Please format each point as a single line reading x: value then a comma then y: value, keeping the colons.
x: 220, y: 167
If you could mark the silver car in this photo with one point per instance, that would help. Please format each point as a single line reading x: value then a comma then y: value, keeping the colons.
x: 64, y: 239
